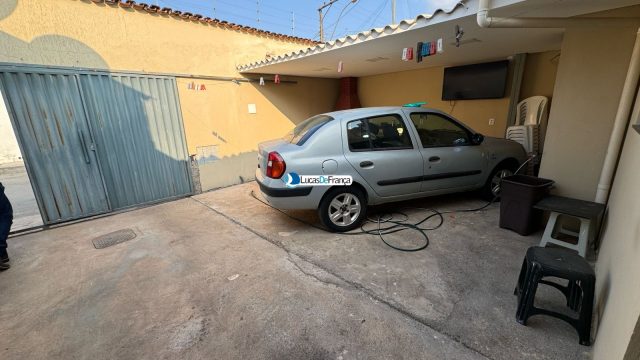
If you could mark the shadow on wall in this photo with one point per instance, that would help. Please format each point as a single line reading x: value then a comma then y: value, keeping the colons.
x: 300, y: 101
x: 133, y: 121
x: 228, y: 170
x: 602, y: 297
x: 48, y: 49
x: 603, y: 285
x: 7, y: 8
x: 295, y: 101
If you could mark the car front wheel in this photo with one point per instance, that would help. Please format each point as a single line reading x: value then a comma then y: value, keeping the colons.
x: 343, y: 208
x: 493, y: 186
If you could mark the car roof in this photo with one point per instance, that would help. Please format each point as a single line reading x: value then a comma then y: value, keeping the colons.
x: 368, y: 111
x: 373, y: 111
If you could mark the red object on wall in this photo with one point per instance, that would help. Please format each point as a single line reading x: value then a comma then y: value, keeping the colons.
x: 409, y: 54
x: 348, y: 97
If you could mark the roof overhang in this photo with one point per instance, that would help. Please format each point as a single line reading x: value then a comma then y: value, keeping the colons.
x: 379, y: 51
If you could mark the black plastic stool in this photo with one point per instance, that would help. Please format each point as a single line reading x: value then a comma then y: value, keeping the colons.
x: 565, y: 264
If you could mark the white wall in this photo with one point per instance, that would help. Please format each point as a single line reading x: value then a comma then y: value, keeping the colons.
x: 9, y: 150
x: 591, y: 73
x: 618, y: 266
x: 589, y: 81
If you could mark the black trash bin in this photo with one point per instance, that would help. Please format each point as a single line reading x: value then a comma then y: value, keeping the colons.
x: 517, y: 196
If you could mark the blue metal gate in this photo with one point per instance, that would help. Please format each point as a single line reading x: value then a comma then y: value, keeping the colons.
x: 97, y: 141
x: 139, y: 137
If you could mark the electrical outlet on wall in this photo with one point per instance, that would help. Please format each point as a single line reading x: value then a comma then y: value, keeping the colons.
x: 492, y: 121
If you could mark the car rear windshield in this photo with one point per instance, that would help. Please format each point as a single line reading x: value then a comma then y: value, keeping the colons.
x: 301, y: 133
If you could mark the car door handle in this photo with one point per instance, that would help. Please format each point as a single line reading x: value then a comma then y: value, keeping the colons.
x: 366, y: 164
x: 434, y: 158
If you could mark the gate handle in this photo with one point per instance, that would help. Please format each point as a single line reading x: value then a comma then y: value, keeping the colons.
x: 87, y: 159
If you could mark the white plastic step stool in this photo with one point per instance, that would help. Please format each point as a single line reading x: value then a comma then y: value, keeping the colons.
x: 588, y: 213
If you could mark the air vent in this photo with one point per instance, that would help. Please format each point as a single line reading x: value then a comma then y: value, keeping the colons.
x: 113, y: 238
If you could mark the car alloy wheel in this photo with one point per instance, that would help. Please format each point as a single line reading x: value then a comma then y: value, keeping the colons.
x: 344, y: 209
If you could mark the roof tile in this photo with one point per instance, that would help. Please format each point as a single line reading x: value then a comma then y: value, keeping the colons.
x: 317, y: 47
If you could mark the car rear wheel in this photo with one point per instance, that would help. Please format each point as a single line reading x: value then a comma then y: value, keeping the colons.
x: 492, y: 188
x: 343, y: 208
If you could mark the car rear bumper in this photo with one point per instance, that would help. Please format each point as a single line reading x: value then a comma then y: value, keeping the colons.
x: 281, y: 197
x: 285, y: 192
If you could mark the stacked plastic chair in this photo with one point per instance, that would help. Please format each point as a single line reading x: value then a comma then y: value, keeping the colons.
x: 531, y: 112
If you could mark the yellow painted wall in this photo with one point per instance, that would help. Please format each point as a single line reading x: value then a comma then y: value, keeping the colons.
x: 399, y: 88
x: 219, y: 117
x: 223, y: 108
x: 539, y: 76
x: 76, y: 33
x: 83, y: 34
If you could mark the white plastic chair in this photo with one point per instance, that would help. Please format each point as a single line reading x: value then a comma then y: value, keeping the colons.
x: 530, y: 113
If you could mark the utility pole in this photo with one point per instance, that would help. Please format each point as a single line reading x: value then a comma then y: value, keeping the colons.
x: 324, y: 5
x: 393, y: 12
x: 293, y: 23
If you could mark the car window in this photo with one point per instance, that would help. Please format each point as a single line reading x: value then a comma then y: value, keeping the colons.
x: 378, y: 133
x: 388, y: 132
x: 436, y: 130
x: 303, y: 131
x: 357, y: 135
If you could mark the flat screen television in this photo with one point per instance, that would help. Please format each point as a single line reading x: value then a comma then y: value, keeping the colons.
x: 477, y: 81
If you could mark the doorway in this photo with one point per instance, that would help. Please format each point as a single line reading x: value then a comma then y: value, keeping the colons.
x: 14, y: 178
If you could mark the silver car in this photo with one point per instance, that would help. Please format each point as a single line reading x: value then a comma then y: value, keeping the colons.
x: 391, y: 154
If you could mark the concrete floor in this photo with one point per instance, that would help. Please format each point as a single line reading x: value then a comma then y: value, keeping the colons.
x: 18, y: 189
x: 223, y: 276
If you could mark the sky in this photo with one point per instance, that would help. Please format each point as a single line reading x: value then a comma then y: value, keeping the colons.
x: 300, y: 17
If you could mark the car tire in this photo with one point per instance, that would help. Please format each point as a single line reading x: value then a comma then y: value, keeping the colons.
x: 491, y: 189
x: 343, y: 208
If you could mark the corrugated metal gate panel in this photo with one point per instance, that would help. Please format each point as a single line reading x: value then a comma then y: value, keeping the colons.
x: 139, y: 136
x: 48, y: 114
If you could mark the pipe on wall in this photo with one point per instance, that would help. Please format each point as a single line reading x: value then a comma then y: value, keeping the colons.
x: 620, y: 124
x: 486, y: 21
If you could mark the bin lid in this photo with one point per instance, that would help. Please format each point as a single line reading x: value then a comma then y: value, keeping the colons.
x: 529, y: 181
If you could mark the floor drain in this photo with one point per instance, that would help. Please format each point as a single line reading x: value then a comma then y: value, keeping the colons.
x: 113, y: 238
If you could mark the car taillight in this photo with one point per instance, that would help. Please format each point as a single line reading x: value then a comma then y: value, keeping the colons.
x: 275, y: 165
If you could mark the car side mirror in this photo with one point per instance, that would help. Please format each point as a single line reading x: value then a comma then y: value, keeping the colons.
x: 477, y: 139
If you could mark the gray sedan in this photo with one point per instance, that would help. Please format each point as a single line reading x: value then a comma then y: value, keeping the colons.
x: 340, y: 162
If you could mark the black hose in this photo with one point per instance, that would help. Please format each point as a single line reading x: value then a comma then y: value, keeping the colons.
x: 397, y: 225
